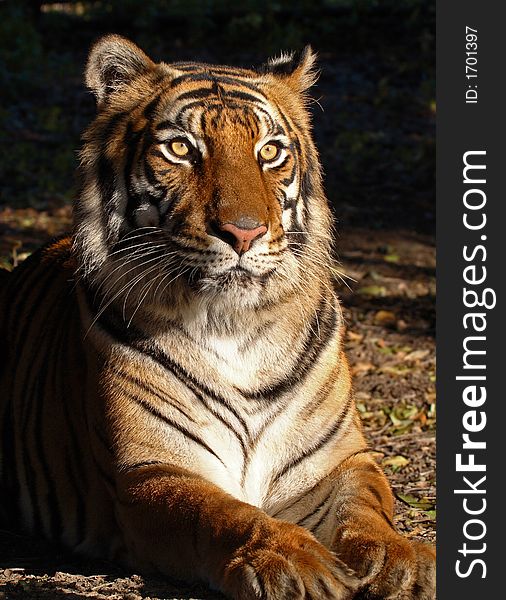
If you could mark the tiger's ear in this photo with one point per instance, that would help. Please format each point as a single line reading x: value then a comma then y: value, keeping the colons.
x: 298, y: 70
x: 113, y: 62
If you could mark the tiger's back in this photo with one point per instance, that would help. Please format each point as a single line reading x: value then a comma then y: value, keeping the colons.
x: 50, y: 431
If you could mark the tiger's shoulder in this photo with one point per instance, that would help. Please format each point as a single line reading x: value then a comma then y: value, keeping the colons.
x: 55, y: 254
x: 46, y: 277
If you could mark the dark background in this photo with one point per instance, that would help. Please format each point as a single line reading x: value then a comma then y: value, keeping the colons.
x: 377, y: 89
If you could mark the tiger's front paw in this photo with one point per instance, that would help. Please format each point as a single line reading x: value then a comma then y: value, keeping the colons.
x: 286, y: 562
x: 392, y: 567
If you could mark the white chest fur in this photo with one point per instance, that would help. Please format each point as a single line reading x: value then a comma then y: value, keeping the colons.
x: 237, y: 361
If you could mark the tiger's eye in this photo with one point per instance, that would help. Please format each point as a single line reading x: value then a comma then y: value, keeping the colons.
x: 269, y: 152
x: 179, y: 148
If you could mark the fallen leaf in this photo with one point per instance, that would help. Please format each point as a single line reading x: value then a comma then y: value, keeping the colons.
x: 385, y: 317
x: 354, y: 337
x: 373, y: 290
x: 395, y: 369
x: 417, y: 355
x: 396, y: 463
x: 401, y: 325
x: 361, y: 367
x: 418, y: 503
x: 362, y: 396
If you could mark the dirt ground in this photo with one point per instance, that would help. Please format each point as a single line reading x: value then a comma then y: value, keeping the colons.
x: 390, y: 312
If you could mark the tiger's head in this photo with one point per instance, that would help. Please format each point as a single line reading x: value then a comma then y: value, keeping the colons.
x: 200, y: 182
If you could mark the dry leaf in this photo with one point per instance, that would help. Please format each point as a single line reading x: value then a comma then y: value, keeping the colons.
x: 385, y: 317
x: 354, y: 337
x: 417, y: 355
x: 396, y: 463
x: 361, y: 367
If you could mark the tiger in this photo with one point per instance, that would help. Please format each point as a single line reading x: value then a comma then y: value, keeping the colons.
x: 175, y: 393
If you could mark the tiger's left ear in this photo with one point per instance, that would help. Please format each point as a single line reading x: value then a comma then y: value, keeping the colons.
x: 297, y: 70
x: 114, y: 62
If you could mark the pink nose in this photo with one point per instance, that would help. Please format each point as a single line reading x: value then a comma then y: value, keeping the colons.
x: 241, y: 238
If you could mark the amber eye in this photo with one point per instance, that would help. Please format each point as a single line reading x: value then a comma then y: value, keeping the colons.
x: 179, y: 148
x: 269, y: 152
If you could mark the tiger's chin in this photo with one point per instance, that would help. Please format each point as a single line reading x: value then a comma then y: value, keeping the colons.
x: 235, y: 288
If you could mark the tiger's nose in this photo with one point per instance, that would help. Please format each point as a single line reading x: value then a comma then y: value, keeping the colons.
x: 241, y: 234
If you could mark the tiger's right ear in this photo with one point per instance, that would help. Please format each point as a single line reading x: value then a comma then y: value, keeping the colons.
x: 297, y: 70
x: 112, y: 63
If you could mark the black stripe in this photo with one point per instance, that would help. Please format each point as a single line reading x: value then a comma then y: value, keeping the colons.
x: 158, y: 154
x: 80, y: 512
x: 211, y: 77
x: 105, y: 170
x: 199, y: 93
x: 150, y: 389
x: 30, y: 400
x: 106, y: 180
x: 282, y: 163
x: 245, y: 97
x: 214, y: 69
x: 108, y: 130
x: 270, y: 122
x: 134, y: 339
x: 41, y: 279
x: 150, y: 175
x: 288, y: 180
x: 96, y: 428
x: 322, y: 442
x: 33, y: 403
x: 216, y: 92
x: 131, y: 141
x: 312, y: 349
x: 323, y: 392
x: 200, y: 392
x: 166, y: 125
x: 307, y: 187
x: 213, y: 103
x: 386, y: 517
x: 294, y: 502
x: 17, y: 294
x: 316, y: 510
x: 284, y: 119
x: 103, y: 473
x: 298, y: 236
x: 52, y: 303
x: 290, y: 203
x: 156, y: 413
x: 25, y: 278
x: 31, y: 484
x: 77, y: 475
x: 139, y: 465
x: 322, y: 518
x: 41, y: 397
x: 51, y: 503
x: 374, y: 492
x: 151, y: 107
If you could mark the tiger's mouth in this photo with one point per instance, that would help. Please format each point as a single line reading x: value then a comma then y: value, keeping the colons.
x: 235, y: 277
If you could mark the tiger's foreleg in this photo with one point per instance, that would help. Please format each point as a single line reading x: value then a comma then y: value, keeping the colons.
x: 184, y: 526
x: 390, y: 565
